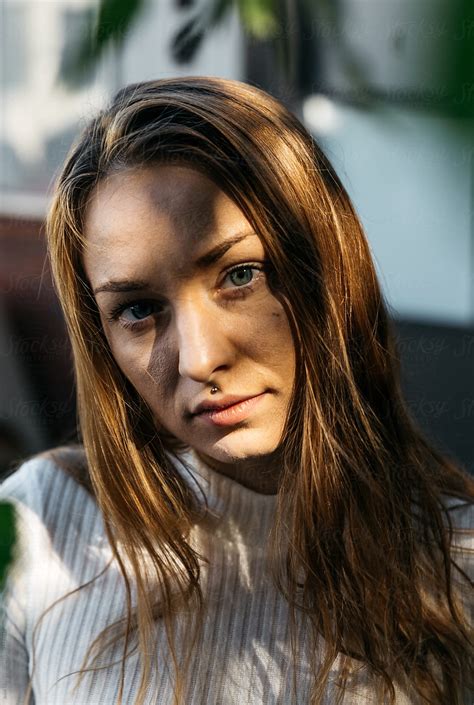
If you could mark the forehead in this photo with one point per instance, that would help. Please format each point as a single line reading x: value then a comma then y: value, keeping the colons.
x: 165, y: 212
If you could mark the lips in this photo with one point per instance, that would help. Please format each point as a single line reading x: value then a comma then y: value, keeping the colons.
x: 231, y: 415
x: 223, y: 403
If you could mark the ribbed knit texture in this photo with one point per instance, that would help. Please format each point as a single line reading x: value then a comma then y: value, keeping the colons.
x: 243, y: 653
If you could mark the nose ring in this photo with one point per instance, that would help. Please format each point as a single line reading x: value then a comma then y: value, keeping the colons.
x: 214, y: 390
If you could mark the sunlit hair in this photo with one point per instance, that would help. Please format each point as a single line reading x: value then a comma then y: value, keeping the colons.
x: 361, y: 541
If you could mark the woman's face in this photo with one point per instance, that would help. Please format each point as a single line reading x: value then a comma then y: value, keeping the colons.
x: 180, y: 283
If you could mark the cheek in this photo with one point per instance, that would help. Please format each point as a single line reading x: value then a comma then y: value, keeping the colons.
x: 285, y: 343
x: 272, y: 336
x: 162, y: 369
x: 150, y: 368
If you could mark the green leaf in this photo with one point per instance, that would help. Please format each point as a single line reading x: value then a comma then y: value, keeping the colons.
x: 115, y: 19
x: 259, y: 18
x: 7, y: 538
x: 187, y: 41
x: 111, y: 25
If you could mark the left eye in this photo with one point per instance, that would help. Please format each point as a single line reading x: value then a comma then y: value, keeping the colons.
x: 240, y: 276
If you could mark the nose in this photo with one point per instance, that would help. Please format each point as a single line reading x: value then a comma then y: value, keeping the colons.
x: 203, y: 344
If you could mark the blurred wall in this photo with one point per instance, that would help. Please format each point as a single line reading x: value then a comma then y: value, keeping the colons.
x: 410, y: 175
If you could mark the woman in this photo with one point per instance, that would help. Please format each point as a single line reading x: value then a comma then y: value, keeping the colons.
x: 253, y: 516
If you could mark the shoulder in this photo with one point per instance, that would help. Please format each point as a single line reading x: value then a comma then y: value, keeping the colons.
x: 460, y: 514
x: 60, y: 538
x: 45, y: 473
x: 49, y: 499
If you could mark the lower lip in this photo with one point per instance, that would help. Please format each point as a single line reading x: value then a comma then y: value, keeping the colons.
x: 232, y: 414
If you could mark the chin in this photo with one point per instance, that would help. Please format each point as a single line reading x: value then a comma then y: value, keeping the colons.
x: 235, y: 447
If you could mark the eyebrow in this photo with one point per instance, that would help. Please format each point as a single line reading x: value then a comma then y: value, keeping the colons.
x: 202, y: 262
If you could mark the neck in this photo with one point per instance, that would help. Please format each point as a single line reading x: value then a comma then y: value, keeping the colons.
x: 260, y: 474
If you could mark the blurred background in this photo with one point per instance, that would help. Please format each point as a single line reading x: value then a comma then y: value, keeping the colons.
x: 385, y: 86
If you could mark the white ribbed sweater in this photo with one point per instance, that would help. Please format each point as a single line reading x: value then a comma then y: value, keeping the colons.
x: 243, y: 655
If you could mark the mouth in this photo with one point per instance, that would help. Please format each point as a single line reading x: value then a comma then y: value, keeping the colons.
x: 230, y: 413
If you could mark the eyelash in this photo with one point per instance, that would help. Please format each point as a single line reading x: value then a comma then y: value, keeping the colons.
x: 239, y: 293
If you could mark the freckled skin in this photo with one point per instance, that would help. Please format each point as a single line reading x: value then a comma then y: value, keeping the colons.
x: 152, y: 224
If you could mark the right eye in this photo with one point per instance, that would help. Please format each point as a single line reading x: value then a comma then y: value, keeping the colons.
x: 140, y: 310
x: 132, y: 313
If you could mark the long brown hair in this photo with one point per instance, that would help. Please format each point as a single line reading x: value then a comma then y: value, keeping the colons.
x: 362, y: 535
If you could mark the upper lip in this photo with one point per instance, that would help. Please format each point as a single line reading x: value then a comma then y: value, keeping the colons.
x: 222, y: 403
